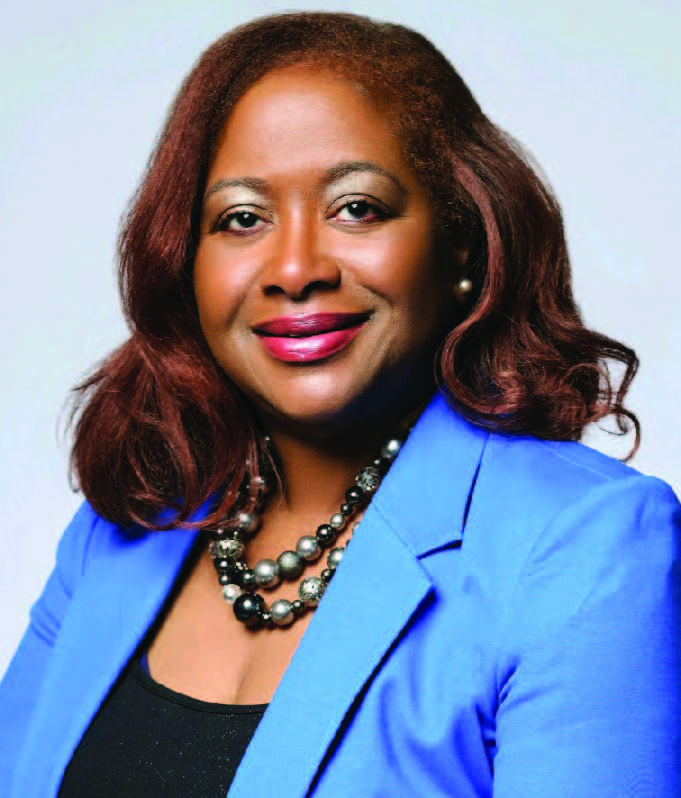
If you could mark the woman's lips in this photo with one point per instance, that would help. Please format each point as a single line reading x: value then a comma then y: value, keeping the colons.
x: 302, y: 339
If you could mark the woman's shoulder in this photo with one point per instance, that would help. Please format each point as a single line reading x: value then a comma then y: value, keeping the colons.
x: 558, y: 471
x: 91, y: 538
x: 558, y: 474
x: 76, y: 542
x: 536, y: 498
x: 563, y: 460
x: 516, y: 471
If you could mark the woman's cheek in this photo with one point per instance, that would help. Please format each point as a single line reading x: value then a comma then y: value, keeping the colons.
x: 218, y: 291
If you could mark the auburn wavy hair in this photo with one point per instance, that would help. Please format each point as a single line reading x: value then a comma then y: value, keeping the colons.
x: 158, y: 426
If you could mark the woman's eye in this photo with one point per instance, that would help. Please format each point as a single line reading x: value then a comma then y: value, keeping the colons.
x: 359, y: 211
x: 240, y: 222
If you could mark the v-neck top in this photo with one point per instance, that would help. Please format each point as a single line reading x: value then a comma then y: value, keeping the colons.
x: 147, y: 740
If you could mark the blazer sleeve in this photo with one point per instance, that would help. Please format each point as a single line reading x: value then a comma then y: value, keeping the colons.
x: 21, y: 683
x: 590, y: 676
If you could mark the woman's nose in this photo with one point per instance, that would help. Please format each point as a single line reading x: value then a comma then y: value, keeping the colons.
x: 298, y: 265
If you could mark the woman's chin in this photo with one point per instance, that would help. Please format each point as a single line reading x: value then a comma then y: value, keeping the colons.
x: 362, y: 413
x: 318, y: 417
x: 320, y: 414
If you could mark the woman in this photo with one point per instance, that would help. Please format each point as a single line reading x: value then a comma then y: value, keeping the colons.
x: 332, y: 245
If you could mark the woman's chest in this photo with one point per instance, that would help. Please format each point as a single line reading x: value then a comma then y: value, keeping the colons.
x: 200, y: 649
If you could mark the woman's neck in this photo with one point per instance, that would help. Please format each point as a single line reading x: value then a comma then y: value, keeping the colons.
x: 316, y: 471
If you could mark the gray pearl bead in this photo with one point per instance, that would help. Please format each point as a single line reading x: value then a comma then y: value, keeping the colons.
x: 310, y: 590
x: 291, y: 566
x: 230, y: 548
x: 368, y: 479
x: 230, y: 593
x: 334, y: 557
x: 248, y: 522
x: 390, y: 450
x: 337, y: 521
x: 267, y: 573
x: 282, y: 612
x: 308, y: 548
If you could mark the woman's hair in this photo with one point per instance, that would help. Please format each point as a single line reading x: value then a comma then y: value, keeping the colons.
x: 159, y: 426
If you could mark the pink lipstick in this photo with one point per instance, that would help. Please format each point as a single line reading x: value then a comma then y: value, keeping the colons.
x: 304, y: 339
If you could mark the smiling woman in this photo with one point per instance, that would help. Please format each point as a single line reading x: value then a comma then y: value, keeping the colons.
x: 275, y: 584
x: 317, y: 240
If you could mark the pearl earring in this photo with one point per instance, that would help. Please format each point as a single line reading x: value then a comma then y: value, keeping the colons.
x: 462, y: 290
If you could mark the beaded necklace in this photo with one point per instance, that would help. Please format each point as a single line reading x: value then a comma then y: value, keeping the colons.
x: 238, y: 582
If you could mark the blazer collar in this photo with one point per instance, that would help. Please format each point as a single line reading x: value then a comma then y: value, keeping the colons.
x: 424, y: 497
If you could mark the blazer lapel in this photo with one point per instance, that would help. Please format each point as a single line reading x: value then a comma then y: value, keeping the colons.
x: 378, y: 587
x: 96, y: 640
x: 373, y: 595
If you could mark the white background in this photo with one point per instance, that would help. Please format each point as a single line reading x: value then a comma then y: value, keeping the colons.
x: 592, y: 89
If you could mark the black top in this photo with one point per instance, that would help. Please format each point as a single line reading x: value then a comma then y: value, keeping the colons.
x: 148, y: 740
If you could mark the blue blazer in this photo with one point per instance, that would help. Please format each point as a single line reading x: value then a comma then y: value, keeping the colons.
x: 506, y: 622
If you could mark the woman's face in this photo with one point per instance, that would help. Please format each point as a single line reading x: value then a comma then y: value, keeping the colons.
x: 320, y: 288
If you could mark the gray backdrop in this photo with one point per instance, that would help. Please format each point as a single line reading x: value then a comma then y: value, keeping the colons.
x: 592, y: 90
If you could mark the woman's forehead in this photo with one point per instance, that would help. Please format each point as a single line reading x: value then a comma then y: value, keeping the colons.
x: 308, y: 118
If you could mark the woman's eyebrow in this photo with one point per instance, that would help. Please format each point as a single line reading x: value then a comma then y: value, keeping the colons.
x: 350, y: 167
x: 335, y: 173
x: 244, y: 182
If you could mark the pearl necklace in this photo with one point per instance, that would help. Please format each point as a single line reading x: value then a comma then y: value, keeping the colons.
x: 238, y: 582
